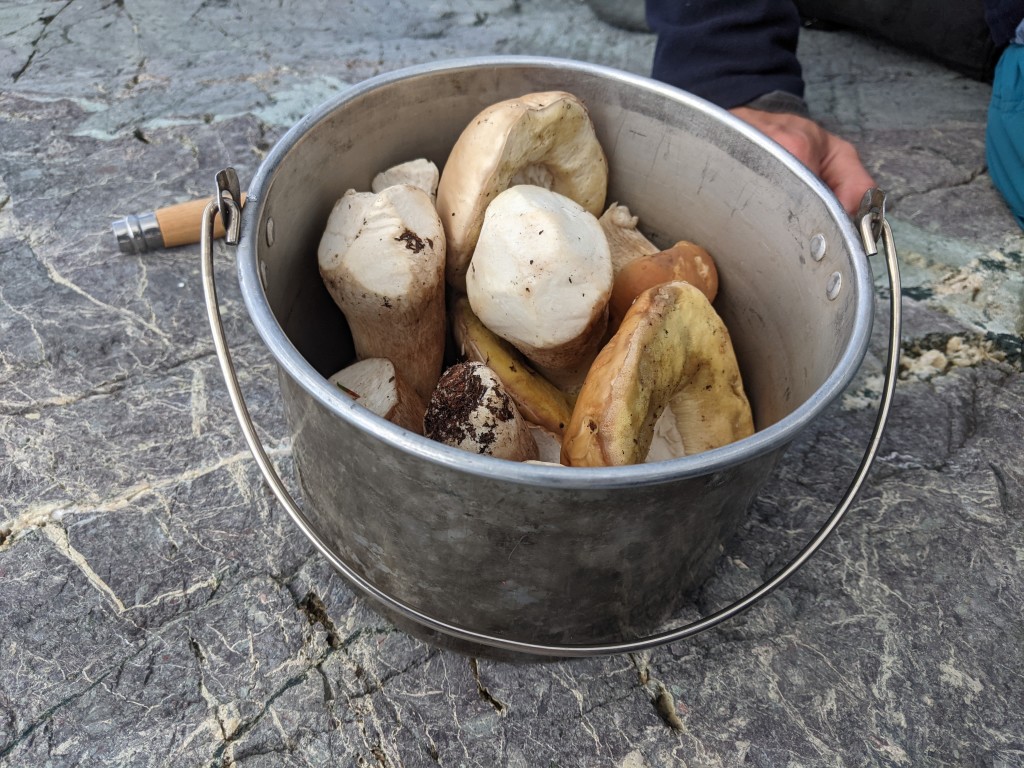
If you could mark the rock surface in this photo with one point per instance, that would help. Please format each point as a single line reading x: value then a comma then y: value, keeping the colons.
x: 160, y: 609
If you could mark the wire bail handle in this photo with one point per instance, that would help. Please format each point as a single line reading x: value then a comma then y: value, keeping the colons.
x: 872, y: 225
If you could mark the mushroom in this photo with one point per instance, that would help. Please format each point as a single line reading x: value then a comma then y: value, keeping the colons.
x: 666, y: 443
x: 417, y: 173
x: 549, y: 447
x: 470, y: 410
x: 683, y: 261
x: 377, y: 386
x: 539, y: 401
x: 541, y: 277
x: 382, y: 260
x: 546, y: 139
x: 672, y: 349
x: 625, y: 241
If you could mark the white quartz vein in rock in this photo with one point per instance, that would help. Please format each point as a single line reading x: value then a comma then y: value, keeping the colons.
x: 59, y: 536
x: 41, y: 515
x: 132, y: 317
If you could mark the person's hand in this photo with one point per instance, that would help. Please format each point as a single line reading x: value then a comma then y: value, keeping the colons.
x: 834, y: 160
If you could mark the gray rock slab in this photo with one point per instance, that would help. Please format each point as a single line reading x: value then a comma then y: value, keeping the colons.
x: 160, y: 609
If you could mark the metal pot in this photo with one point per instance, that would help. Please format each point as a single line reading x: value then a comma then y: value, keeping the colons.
x: 534, y: 558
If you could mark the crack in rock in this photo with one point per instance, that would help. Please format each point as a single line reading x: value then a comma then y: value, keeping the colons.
x: 972, y: 176
x: 660, y: 696
x: 485, y: 694
x: 46, y: 20
x: 316, y: 612
x: 45, y: 716
x: 665, y: 704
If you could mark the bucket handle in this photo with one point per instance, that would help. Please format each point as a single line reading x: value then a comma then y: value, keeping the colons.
x: 873, y: 227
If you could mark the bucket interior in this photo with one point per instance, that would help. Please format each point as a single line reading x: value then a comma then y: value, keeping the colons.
x: 791, y: 283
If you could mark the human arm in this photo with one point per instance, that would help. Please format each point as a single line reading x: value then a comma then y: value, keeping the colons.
x: 729, y: 53
x: 742, y: 55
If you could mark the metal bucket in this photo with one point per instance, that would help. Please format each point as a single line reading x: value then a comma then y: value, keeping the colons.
x: 540, y: 558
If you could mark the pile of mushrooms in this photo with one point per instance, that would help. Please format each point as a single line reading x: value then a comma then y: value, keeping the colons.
x: 576, y: 340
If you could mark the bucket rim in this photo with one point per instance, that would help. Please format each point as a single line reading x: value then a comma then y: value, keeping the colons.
x: 772, y: 438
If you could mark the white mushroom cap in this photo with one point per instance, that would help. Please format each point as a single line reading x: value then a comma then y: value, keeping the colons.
x: 470, y: 410
x: 541, y: 275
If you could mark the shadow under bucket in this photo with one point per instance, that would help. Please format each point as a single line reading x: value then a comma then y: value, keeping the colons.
x: 517, y: 555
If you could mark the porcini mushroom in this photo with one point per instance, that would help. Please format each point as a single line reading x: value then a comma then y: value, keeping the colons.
x: 470, y: 410
x: 377, y: 386
x: 540, y: 278
x: 546, y: 139
x: 539, y: 401
x: 625, y: 241
x: 417, y: 173
x: 382, y: 260
x: 683, y: 261
x: 671, y: 349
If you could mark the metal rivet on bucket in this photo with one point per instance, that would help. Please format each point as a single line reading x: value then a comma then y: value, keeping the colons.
x: 835, y: 285
x: 270, y: 231
x: 818, y: 247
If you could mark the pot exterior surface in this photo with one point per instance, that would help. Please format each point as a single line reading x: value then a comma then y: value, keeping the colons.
x: 572, y: 565
x: 550, y: 554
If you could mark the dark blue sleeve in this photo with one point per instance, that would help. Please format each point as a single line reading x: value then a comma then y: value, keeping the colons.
x: 1003, y: 16
x: 727, y: 51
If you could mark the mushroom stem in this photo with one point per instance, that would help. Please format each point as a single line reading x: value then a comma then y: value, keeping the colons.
x: 416, y: 173
x: 541, y: 277
x: 625, y: 241
x: 376, y: 385
x: 382, y: 260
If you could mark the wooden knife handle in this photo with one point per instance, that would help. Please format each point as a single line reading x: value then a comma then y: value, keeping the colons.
x: 181, y: 224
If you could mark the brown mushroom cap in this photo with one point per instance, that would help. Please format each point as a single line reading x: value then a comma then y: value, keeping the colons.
x: 683, y: 261
x: 546, y: 139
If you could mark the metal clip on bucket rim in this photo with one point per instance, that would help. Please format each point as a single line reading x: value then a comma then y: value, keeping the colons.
x: 873, y: 227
